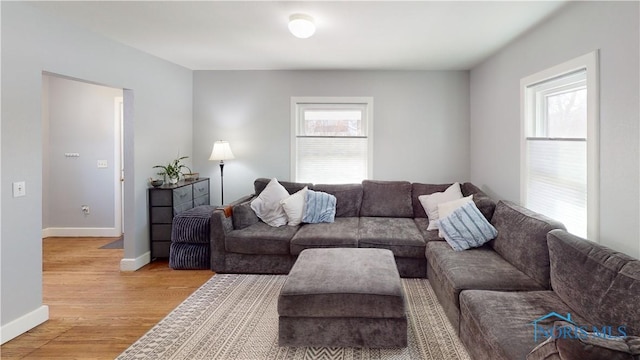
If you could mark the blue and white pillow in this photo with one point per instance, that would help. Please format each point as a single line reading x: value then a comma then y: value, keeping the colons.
x: 320, y: 207
x: 466, y: 228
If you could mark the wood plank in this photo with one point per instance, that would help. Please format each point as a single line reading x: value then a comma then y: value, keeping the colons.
x: 96, y: 311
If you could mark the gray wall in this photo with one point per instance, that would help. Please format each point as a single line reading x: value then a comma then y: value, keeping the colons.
x: 33, y: 42
x: 421, y: 122
x: 80, y: 119
x: 579, y: 28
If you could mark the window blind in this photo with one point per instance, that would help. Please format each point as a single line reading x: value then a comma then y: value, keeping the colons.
x: 331, y: 160
x: 557, y: 181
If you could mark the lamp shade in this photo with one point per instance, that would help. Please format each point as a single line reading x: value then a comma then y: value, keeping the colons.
x: 221, y: 151
x: 302, y: 25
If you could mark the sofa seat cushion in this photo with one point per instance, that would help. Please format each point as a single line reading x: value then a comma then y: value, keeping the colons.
x: 400, y: 235
x: 428, y: 235
x: 479, y: 269
x: 343, y: 232
x: 260, y: 238
x: 500, y: 325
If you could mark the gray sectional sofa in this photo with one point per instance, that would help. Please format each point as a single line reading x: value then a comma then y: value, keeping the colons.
x: 373, y: 214
x: 494, y: 295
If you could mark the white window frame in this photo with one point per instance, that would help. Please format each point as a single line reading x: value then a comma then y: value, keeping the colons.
x: 296, y: 101
x: 588, y: 62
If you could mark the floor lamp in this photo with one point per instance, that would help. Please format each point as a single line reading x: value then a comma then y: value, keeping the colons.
x: 221, y: 151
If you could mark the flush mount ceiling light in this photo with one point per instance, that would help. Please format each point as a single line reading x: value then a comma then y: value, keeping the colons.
x: 301, y: 25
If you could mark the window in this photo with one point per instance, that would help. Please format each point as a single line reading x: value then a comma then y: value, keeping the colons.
x: 331, y: 140
x: 559, y: 174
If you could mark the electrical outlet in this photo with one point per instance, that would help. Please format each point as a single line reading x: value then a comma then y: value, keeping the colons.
x: 85, y: 210
x: 19, y: 189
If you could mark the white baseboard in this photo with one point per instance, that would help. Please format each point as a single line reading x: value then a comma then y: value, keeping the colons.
x: 24, y: 323
x: 135, y: 264
x: 81, y: 232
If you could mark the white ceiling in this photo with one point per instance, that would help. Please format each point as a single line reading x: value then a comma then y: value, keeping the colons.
x: 243, y: 35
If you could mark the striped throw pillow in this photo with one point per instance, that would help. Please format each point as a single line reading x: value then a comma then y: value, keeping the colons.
x: 466, y: 228
x: 320, y: 207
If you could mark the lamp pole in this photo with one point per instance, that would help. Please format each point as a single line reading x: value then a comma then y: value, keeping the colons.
x: 221, y: 182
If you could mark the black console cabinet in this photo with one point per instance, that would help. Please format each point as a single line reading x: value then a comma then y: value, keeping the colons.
x: 167, y: 201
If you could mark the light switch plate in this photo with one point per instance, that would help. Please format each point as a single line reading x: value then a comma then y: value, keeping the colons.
x: 19, y: 189
x: 102, y: 164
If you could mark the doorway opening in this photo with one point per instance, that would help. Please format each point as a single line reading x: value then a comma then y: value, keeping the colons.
x: 83, y: 158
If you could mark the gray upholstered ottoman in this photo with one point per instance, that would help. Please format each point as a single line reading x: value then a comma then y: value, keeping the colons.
x: 343, y: 298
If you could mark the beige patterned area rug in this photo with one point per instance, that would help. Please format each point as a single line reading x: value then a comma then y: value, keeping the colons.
x: 235, y: 317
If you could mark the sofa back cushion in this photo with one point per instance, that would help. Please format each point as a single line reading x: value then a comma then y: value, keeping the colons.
x: 483, y: 202
x: 522, y: 239
x: 386, y: 199
x: 243, y: 215
x: 418, y: 189
x: 291, y: 187
x: 600, y: 284
x: 348, y: 198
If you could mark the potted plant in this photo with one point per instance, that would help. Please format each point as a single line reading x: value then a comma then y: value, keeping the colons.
x: 173, y: 170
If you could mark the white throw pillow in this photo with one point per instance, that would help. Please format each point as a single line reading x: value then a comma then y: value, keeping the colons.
x: 447, y: 208
x: 294, y: 207
x: 430, y: 202
x: 267, y: 205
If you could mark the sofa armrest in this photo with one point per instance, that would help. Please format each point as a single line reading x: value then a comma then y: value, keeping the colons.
x: 221, y: 225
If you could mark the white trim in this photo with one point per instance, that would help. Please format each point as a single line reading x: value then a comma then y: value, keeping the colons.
x: 590, y: 62
x: 117, y: 156
x: 81, y: 232
x: 24, y: 323
x: 296, y: 100
x: 135, y: 264
x: 292, y: 137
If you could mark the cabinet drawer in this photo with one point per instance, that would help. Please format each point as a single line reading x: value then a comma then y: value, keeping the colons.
x: 182, y: 207
x: 182, y: 195
x: 161, y: 215
x: 200, y: 188
x: 160, y: 197
x: 160, y: 249
x: 161, y: 232
x: 201, y: 200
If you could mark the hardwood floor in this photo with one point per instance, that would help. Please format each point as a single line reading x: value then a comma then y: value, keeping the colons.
x: 96, y: 311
